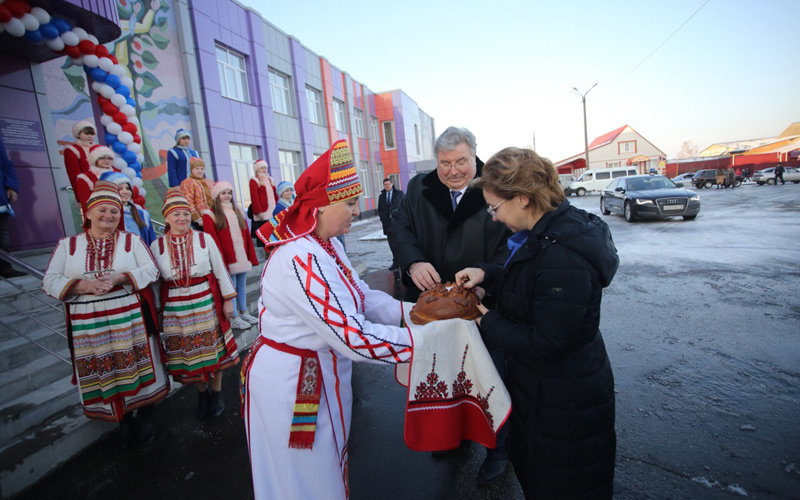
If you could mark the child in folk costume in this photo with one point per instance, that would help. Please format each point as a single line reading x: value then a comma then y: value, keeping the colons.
x: 76, y: 155
x: 285, y: 197
x: 316, y: 318
x: 225, y: 223
x: 101, y: 160
x: 136, y: 218
x: 197, y: 302
x: 178, y: 158
x: 197, y: 190
x: 263, y: 196
x: 103, y: 275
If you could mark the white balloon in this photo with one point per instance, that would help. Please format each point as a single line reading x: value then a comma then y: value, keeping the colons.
x: 56, y: 44
x: 96, y: 86
x: 107, y: 91
x: 91, y: 60
x: 140, y: 158
x: 106, y: 64
x: 126, y: 80
x: 134, y: 148
x: 134, y: 119
x: 118, y: 100
x: 119, y: 164
x: 138, y: 182
x: 15, y: 27
x: 118, y: 70
x: 114, y: 128
x: 142, y: 191
x: 77, y: 61
x: 80, y: 32
x: 41, y: 15
x: 127, y: 109
x: 131, y: 173
x: 125, y: 138
x: 105, y: 120
x: 70, y: 38
x: 93, y: 39
x: 30, y: 22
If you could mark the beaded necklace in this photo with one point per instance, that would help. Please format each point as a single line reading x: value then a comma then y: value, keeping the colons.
x: 181, y: 256
x: 100, y: 253
x: 328, y: 247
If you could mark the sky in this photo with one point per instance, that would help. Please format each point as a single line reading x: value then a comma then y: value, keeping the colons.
x: 704, y: 71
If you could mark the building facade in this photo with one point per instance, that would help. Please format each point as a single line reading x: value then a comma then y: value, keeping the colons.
x: 243, y: 88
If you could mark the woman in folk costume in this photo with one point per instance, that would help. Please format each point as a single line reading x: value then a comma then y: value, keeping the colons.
x: 76, y: 155
x: 101, y: 160
x: 178, y: 158
x: 263, y: 196
x: 225, y: 223
x: 197, y: 190
x: 197, y: 302
x: 285, y: 197
x: 103, y: 275
x: 136, y: 218
x: 315, y: 317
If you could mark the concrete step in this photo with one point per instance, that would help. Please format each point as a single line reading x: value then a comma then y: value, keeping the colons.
x: 16, y: 351
x: 18, y: 416
x: 33, y: 376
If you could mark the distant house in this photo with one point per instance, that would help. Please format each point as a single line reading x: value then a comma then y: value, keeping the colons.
x: 734, y: 147
x: 619, y: 148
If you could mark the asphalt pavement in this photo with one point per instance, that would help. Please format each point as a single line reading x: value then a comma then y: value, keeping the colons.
x: 701, y: 324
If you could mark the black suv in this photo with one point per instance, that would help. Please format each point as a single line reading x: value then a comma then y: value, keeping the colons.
x: 707, y: 178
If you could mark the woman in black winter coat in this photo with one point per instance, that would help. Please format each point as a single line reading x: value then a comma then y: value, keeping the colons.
x: 562, y: 440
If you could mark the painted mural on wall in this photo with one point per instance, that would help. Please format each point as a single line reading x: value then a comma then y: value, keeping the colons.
x: 148, y: 49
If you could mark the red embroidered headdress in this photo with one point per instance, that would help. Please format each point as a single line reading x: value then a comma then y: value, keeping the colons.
x: 330, y: 179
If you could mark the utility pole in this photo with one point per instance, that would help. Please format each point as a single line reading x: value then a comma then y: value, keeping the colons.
x: 585, y: 130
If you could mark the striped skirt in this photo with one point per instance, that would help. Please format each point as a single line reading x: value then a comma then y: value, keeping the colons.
x: 195, y: 344
x: 114, y: 362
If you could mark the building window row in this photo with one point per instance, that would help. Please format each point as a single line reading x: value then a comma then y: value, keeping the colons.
x: 339, y: 116
x: 232, y: 74
x: 314, y: 99
x: 358, y: 119
x: 281, y: 94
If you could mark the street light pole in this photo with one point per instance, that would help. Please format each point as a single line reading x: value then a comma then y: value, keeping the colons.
x: 585, y: 131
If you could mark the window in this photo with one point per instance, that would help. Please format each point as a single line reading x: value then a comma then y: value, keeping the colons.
x: 340, y: 118
x: 612, y: 164
x: 613, y: 185
x: 395, y: 180
x: 416, y: 136
x: 627, y: 147
x: 366, y: 182
x: 242, y: 158
x: 232, y: 74
x: 375, y: 132
x: 279, y: 86
x: 314, y: 98
x: 388, y: 135
x: 358, y: 118
x: 290, y: 165
x: 601, y: 176
x: 618, y: 173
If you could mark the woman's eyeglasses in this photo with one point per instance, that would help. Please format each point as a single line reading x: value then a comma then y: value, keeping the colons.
x: 493, y: 209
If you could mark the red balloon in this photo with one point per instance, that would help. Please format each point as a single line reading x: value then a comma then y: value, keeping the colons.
x: 102, y: 100
x: 101, y: 51
x: 137, y: 138
x: 120, y: 117
x: 86, y: 46
x: 130, y: 128
x: 139, y: 200
x: 109, y: 108
x: 73, y: 52
x: 16, y: 8
x: 113, y: 59
x: 5, y: 14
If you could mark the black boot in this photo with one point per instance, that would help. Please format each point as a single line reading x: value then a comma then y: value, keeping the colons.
x: 217, y: 404
x: 126, y: 431
x: 203, y: 403
x: 147, y: 429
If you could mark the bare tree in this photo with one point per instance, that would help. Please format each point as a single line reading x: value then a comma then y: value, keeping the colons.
x: 688, y: 150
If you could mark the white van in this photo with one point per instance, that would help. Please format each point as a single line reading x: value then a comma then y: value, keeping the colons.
x: 597, y: 179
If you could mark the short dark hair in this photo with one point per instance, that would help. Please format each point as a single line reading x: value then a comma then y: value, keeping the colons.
x: 387, y: 180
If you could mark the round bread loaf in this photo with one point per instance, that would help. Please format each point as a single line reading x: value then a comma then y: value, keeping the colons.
x: 445, y: 302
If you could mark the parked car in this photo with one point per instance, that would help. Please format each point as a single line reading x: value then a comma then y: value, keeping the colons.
x: 648, y: 197
x: 683, y: 180
x: 597, y: 179
x: 767, y: 175
x: 708, y: 178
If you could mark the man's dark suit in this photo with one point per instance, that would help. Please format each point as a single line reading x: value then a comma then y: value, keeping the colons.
x: 385, y: 209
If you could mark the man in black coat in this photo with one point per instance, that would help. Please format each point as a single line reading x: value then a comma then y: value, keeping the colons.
x: 388, y: 202
x: 779, y: 174
x: 440, y: 228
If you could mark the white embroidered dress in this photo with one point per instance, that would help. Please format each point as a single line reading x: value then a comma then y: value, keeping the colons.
x: 308, y: 303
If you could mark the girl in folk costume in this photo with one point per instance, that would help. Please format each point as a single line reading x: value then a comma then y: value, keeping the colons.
x: 285, y: 197
x: 103, y: 275
x: 101, y: 160
x: 197, y: 190
x: 225, y: 223
x: 197, y: 303
x: 263, y: 196
x: 315, y: 318
x: 136, y: 218
x: 76, y: 155
x: 179, y: 156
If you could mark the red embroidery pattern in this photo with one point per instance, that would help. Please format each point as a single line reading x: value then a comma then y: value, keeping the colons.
x: 328, y: 247
x: 484, y: 402
x: 432, y: 388
x: 100, y: 254
x: 462, y: 386
x: 181, y: 256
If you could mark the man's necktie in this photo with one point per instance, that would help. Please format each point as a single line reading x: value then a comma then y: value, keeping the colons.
x: 388, y: 197
x: 454, y: 195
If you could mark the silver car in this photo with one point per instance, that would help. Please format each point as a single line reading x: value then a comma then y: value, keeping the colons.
x: 684, y: 180
x: 767, y: 176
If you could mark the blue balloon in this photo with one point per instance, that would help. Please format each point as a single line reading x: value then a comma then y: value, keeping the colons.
x: 99, y: 75
x: 136, y: 166
x: 61, y: 25
x: 131, y: 101
x: 123, y: 91
x: 113, y: 80
x: 87, y: 70
x: 49, y: 31
x: 129, y: 156
x: 34, y: 36
x: 119, y: 147
x: 110, y: 138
